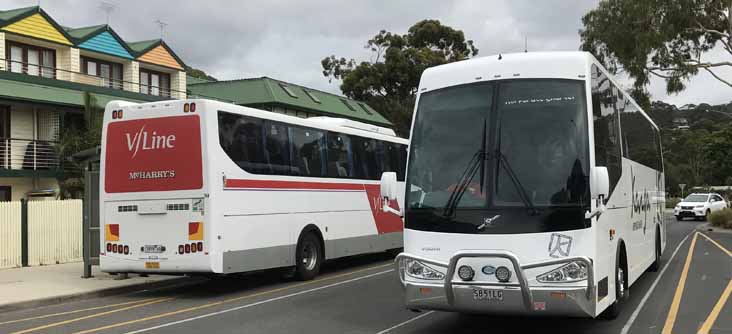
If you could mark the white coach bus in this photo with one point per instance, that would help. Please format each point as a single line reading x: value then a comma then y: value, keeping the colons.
x: 535, y: 186
x: 200, y: 186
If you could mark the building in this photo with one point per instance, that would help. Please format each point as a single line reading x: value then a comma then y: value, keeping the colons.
x: 51, y: 75
x: 285, y: 98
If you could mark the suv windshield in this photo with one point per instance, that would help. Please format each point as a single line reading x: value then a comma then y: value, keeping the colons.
x: 533, y: 145
x: 696, y: 198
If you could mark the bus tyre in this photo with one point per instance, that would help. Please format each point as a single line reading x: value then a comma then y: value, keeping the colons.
x: 308, y: 257
x: 657, y: 263
x: 621, y: 292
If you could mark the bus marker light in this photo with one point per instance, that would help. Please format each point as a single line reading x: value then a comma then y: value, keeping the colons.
x: 612, y: 233
x: 466, y: 273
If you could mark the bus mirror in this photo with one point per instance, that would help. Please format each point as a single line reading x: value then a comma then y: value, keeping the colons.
x: 599, y: 182
x: 389, y: 185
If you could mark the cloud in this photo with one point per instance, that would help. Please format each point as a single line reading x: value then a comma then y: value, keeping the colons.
x: 286, y: 39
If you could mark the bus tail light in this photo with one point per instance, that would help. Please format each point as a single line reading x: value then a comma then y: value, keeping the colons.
x: 114, y: 248
x: 127, y: 250
x: 200, y: 246
x: 570, y: 272
x: 420, y: 270
x: 109, y: 248
x: 188, y: 248
x: 181, y: 249
x: 193, y: 248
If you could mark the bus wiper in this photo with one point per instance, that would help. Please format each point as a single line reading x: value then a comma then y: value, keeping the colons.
x: 477, y: 162
x: 514, y: 179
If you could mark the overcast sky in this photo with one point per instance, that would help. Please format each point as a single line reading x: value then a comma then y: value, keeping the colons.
x: 286, y: 39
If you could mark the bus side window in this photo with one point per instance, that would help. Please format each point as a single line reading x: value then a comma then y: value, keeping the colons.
x: 242, y: 138
x: 307, y: 152
x: 395, y: 152
x: 276, y: 148
x: 606, y: 125
x: 364, y: 158
x: 339, y: 155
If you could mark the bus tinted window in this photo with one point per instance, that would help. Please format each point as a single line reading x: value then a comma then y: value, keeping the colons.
x: 307, y: 151
x: 639, y: 137
x: 276, y: 148
x: 607, y: 143
x: 242, y: 139
x: 364, y: 158
x: 339, y: 155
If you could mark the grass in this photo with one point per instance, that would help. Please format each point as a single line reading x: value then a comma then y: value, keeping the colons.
x: 721, y: 218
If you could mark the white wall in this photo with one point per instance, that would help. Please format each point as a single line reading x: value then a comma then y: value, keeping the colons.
x: 20, y: 186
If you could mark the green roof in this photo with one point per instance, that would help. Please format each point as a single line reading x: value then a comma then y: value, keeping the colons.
x: 195, y: 80
x: 13, y: 14
x: 142, y: 46
x: 84, y: 32
x: 267, y: 91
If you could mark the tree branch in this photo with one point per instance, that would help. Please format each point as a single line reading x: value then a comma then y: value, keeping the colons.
x: 718, y: 77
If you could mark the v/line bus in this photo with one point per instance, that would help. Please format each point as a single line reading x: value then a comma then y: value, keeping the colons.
x: 199, y: 186
x: 535, y: 186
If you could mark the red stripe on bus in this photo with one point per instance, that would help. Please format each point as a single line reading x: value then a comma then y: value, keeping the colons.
x: 272, y: 184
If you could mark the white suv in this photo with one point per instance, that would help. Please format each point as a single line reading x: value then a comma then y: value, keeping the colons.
x: 699, y: 206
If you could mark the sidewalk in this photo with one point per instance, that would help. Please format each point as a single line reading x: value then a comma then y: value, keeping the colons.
x: 42, y: 285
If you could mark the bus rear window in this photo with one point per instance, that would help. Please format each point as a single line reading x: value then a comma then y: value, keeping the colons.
x: 153, y: 154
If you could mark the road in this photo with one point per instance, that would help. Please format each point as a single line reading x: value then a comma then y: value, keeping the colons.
x: 361, y: 295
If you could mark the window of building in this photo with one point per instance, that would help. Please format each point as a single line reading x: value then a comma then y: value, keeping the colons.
x: 350, y: 107
x: 312, y: 96
x: 31, y: 60
x: 287, y: 90
x: 365, y: 109
x: 154, y: 83
x: 111, y: 73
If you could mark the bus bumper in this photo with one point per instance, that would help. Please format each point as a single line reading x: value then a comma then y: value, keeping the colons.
x: 456, y: 295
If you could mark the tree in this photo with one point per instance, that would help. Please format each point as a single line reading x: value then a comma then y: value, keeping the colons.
x: 663, y: 38
x: 200, y: 74
x: 389, y: 82
x: 718, y: 151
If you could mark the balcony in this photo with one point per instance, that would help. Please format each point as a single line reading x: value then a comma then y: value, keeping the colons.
x: 54, y: 73
x: 27, y: 157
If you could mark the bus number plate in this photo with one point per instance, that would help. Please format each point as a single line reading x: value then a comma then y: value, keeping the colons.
x: 152, y: 265
x: 152, y: 249
x: 487, y: 294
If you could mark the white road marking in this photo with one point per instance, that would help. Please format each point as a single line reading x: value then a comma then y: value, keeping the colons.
x: 406, y: 322
x: 638, y: 308
x: 258, y: 303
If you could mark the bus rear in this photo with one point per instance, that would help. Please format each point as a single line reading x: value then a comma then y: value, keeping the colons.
x: 152, y: 192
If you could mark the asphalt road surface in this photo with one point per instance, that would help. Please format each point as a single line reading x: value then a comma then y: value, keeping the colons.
x: 362, y: 295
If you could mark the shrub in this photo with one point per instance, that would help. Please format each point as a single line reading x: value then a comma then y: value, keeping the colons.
x: 671, y: 202
x: 721, y: 218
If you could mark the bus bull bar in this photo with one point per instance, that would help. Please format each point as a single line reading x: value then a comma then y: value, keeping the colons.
x: 518, y: 269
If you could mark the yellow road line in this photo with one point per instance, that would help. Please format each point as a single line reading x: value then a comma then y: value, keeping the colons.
x: 717, y: 244
x: 74, y: 311
x: 225, y: 301
x: 56, y: 324
x: 674, y: 309
x: 707, y: 325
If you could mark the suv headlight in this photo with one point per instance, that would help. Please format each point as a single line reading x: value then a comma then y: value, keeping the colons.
x: 699, y: 206
x: 420, y: 270
x: 570, y: 272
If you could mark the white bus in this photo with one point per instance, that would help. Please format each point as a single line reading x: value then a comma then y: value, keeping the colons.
x: 200, y: 186
x: 535, y: 186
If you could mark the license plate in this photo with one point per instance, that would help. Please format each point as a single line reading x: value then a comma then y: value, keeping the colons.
x: 152, y: 249
x: 487, y: 294
x: 152, y: 265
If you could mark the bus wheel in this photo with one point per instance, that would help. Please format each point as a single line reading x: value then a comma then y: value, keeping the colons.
x: 657, y: 263
x: 308, y: 257
x: 621, y: 291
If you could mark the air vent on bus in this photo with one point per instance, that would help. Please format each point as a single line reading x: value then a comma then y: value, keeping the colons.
x: 178, y: 207
x: 127, y: 208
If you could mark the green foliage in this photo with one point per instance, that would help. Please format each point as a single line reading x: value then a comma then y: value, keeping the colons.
x: 662, y: 38
x: 200, y: 74
x: 389, y: 82
x: 721, y: 218
x: 671, y: 202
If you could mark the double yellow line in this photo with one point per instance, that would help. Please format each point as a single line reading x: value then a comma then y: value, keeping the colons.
x: 674, y: 309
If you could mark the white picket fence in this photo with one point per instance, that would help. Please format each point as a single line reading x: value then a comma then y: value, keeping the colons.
x: 10, y: 234
x: 54, y: 232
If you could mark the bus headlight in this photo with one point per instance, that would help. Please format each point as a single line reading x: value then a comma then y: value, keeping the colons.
x: 570, y: 272
x: 420, y: 270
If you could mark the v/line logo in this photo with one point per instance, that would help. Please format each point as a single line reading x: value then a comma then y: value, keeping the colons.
x: 142, y: 140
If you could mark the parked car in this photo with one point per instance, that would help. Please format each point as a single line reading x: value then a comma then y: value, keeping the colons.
x: 699, y: 205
